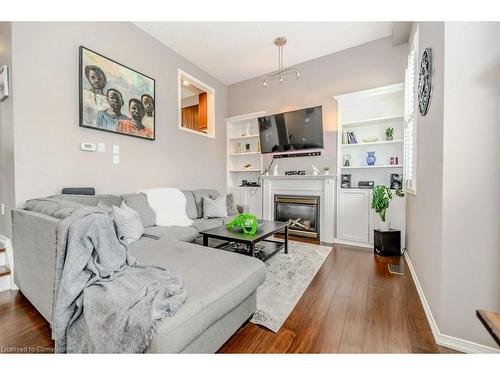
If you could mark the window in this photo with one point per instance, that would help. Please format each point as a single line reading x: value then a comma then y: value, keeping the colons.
x: 410, y: 130
x: 196, y: 106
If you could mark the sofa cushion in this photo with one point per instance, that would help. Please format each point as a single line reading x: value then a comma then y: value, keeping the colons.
x: 55, y: 207
x: 91, y: 200
x: 139, y: 202
x: 218, y: 282
x: 128, y: 222
x: 206, y: 224
x: 214, y: 207
x: 191, y: 209
x: 198, y: 198
x: 186, y: 234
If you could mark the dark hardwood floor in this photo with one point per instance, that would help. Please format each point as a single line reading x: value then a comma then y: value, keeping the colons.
x: 353, y: 305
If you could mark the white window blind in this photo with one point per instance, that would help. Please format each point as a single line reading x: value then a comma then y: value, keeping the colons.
x: 410, y: 131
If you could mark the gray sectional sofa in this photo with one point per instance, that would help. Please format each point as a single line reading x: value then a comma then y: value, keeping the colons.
x: 221, y: 286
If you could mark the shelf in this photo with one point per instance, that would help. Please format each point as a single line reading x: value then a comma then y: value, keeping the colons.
x: 372, y: 166
x: 372, y: 143
x: 370, y: 121
x: 245, y: 136
x: 246, y: 153
x: 244, y: 170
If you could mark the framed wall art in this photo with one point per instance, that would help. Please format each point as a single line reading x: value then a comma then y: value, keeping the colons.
x: 115, y: 98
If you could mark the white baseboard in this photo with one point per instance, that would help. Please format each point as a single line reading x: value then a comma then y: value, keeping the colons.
x: 440, y: 338
x: 363, y: 246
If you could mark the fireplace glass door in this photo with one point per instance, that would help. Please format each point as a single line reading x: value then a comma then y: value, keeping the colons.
x: 301, y: 213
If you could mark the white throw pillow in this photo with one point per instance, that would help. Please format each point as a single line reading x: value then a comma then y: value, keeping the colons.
x: 215, y: 207
x: 169, y: 205
x: 129, y: 223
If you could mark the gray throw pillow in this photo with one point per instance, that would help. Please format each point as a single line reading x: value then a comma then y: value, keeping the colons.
x: 232, y: 208
x: 139, y: 202
x: 129, y: 223
x: 214, y: 207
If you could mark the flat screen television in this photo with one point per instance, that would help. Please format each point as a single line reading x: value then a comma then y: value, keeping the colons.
x: 291, y: 131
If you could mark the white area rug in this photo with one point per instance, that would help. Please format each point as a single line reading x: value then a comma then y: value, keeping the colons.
x: 288, y: 276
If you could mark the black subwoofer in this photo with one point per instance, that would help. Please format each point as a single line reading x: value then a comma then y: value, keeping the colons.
x: 387, y: 242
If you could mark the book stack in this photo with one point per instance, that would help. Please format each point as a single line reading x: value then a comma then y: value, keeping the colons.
x: 349, y: 138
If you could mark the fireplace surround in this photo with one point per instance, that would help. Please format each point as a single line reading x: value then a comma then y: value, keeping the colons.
x: 322, y: 186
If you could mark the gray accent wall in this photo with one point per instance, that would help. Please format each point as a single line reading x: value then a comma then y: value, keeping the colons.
x: 370, y: 65
x: 47, y: 136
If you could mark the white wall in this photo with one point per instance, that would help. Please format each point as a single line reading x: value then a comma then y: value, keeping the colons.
x: 471, y: 178
x: 424, y: 210
x: 47, y: 135
x: 453, y: 228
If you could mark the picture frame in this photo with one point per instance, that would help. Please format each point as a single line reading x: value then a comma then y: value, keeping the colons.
x: 4, y: 82
x: 114, y: 97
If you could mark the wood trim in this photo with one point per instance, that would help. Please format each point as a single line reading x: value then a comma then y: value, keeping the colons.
x: 491, y: 321
x: 2, y: 250
x: 4, y: 271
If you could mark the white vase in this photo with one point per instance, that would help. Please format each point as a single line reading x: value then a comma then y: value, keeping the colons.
x: 384, y: 226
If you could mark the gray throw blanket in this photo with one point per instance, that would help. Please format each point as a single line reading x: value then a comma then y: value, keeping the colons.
x: 104, y: 301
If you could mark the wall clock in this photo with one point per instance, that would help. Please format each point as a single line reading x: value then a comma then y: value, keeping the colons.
x: 425, y: 81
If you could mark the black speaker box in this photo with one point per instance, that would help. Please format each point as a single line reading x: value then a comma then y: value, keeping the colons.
x: 345, y: 181
x: 396, y: 181
x: 387, y: 242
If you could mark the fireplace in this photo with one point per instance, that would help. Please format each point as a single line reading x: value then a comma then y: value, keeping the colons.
x: 301, y: 213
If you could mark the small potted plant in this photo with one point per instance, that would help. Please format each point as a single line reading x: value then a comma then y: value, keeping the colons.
x: 381, y: 200
x: 389, y: 133
x: 326, y: 171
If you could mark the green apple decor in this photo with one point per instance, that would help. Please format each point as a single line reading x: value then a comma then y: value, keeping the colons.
x: 247, y: 223
x: 381, y: 200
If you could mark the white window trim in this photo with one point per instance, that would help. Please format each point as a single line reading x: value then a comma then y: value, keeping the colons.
x: 211, y: 104
x: 410, y: 120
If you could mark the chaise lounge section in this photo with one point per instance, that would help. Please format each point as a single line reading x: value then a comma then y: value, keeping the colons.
x: 221, y: 286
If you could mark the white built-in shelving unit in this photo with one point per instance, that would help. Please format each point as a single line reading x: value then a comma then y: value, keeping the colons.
x: 368, y: 114
x: 244, y: 165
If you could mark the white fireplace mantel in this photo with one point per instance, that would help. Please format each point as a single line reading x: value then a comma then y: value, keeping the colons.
x: 323, y: 186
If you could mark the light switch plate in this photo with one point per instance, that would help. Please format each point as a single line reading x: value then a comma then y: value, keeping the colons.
x: 116, y: 149
x: 116, y: 159
x: 101, y: 147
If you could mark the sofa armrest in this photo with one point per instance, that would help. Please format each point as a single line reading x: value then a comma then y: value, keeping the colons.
x: 34, y: 242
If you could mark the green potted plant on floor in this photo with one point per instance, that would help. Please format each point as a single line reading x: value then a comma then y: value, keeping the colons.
x: 381, y: 201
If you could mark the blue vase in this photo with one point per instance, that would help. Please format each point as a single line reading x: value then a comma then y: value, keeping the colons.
x: 371, y: 159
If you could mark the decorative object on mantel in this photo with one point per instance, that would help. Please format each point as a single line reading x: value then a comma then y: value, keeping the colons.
x: 425, y: 81
x: 275, y: 170
x: 115, y: 98
x: 326, y: 171
x: 381, y: 200
x: 4, y: 83
x: 389, y: 133
x: 347, y: 159
x: 281, y: 72
x: 295, y: 173
x: 316, y: 171
x: 370, y: 158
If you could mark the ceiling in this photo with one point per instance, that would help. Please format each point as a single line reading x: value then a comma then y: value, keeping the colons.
x: 236, y: 51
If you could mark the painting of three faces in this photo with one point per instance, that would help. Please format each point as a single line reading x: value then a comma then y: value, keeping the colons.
x: 115, y: 98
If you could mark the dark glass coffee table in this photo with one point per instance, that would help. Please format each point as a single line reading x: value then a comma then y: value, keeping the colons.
x: 256, y: 245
